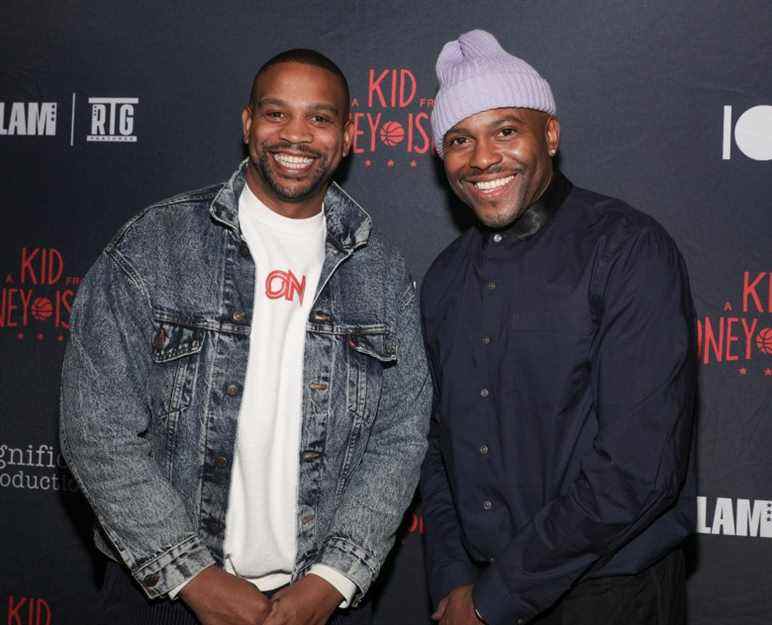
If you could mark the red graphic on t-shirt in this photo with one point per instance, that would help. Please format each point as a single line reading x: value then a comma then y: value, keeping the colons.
x: 284, y: 284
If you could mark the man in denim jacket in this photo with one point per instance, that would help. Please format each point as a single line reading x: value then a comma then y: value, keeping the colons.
x: 222, y: 414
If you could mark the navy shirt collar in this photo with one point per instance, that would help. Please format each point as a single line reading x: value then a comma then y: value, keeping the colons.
x: 537, y: 214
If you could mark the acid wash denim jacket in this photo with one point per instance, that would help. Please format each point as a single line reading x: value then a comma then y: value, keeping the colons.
x: 155, y: 367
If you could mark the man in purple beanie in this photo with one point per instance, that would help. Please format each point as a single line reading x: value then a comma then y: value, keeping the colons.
x: 559, y: 481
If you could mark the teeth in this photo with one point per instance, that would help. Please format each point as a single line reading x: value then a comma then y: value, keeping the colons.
x: 487, y: 185
x: 293, y: 162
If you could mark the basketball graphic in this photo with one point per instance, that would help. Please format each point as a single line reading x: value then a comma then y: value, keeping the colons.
x: 764, y: 341
x: 42, y: 308
x: 392, y: 133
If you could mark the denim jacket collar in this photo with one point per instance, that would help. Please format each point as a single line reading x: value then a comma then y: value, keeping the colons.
x: 348, y: 224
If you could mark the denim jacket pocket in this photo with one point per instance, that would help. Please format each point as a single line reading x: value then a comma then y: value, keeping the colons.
x: 175, y: 351
x: 370, y: 349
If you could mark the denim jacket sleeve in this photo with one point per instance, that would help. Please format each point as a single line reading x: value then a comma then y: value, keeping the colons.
x: 104, y: 413
x: 364, y: 527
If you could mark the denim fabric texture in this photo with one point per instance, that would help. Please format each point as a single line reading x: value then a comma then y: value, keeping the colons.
x: 155, y: 367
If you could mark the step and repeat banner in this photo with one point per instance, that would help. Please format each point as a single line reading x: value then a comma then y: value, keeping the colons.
x: 108, y: 106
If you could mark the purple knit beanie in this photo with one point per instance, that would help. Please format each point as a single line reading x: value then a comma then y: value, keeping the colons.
x: 476, y: 74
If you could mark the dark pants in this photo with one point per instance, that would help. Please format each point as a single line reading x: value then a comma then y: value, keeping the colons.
x: 122, y: 602
x: 656, y: 596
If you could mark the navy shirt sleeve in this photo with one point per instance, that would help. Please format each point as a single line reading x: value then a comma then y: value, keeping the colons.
x: 449, y: 562
x: 643, y: 377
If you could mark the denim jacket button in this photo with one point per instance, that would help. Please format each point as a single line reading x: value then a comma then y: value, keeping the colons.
x: 318, y: 386
x: 238, y: 316
x: 232, y: 390
x: 221, y: 461
x: 151, y: 580
x: 311, y: 455
x: 321, y: 316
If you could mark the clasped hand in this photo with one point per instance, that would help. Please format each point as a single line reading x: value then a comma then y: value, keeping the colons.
x: 457, y: 608
x: 219, y: 598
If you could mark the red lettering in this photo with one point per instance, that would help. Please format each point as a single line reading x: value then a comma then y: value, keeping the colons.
x: 730, y: 338
x: 55, y: 266
x: 26, y: 298
x: 406, y: 77
x: 284, y: 284
x: 42, y: 603
x: 374, y: 87
x: 357, y: 132
x: 709, y: 341
x: 750, y: 292
x: 27, y: 270
x: 420, y: 118
x: 373, y: 123
x: 295, y: 287
x: 63, y: 306
x: 749, y: 332
x: 14, y: 610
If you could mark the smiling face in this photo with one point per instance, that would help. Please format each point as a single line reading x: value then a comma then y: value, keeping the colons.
x: 499, y: 162
x: 298, y: 131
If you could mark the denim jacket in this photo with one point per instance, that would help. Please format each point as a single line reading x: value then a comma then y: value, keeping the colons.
x: 155, y: 367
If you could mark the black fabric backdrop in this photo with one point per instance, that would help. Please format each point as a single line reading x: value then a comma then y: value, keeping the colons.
x: 106, y: 107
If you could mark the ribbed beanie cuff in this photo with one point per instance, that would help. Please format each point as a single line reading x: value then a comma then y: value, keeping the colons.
x: 476, y: 74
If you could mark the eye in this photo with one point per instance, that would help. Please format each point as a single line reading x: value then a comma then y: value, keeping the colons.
x: 321, y: 119
x: 274, y: 115
x: 508, y: 132
x: 456, y: 141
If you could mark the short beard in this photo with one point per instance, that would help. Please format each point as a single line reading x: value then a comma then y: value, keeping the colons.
x: 287, y: 195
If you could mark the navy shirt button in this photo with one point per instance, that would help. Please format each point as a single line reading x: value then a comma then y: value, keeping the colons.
x: 485, y: 340
x: 484, y: 450
x: 484, y: 392
x: 497, y: 238
x: 487, y: 505
x: 492, y: 285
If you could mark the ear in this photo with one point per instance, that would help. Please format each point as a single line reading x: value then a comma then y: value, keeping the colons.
x: 552, y: 135
x: 348, y: 136
x: 246, y: 122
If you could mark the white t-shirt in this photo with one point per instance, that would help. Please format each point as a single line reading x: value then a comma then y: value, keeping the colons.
x: 260, y: 527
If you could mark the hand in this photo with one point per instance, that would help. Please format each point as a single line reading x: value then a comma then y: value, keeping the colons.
x: 219, y: 598
x: 457, y: 608
x: 309, y: 601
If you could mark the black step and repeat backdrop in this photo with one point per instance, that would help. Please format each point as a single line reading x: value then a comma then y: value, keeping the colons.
x: 107, y: 106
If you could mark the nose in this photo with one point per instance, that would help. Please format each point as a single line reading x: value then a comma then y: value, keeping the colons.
x: 296, y: 130
x: 484, y: 155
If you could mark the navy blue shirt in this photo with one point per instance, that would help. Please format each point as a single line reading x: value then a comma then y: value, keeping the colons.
x: 562, y: 352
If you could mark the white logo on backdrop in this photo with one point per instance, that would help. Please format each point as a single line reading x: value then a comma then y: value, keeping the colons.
x: 752, y: 133
x: 734, y: 517
x: 112, y: 119
x: 35, y: 119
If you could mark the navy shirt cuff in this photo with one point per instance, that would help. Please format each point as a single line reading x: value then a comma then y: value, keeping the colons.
x: 494, y: 603
x: 450, y: 577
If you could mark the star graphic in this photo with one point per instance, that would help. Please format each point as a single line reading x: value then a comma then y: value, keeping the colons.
x: 743, y: 371
x: 768, y: 372
x: 389, y: 163
x: 368, y: 163
x: 413, y: 163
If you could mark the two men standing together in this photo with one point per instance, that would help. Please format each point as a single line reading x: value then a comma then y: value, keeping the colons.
x: 249, y: 450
